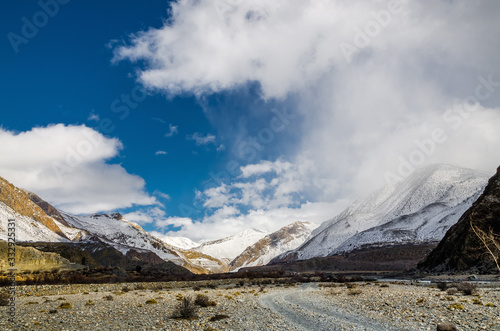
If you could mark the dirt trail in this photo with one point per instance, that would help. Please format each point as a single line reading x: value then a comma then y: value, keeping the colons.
x: 308, y: 310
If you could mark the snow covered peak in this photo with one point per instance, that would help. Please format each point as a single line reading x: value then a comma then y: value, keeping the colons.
x: 230, y: 247
x: 442, y: 187
x: 180, y: 242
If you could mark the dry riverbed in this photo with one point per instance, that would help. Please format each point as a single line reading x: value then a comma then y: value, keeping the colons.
x: 366, y: 306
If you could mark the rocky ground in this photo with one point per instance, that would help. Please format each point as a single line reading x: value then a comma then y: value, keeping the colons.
x: 365, y: 306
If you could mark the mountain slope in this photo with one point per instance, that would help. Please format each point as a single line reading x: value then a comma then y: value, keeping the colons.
x: 124, y: 236
x: 461, y: 248
x: 180, y: 242
x: 19, y: 201
x: 274, y: 244
x: 227, y: 249
x: 420, y: 208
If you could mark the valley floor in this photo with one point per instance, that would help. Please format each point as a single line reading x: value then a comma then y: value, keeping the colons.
x: 368, y: 306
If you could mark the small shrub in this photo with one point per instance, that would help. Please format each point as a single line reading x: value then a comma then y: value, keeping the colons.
x: 421, y: 300
x: 456, y: 306
x: 140, y: 287
x: 355, y: 292
x: 476, y: 301
x: 218, y: 317
x: 52, y: 311
x: 126, y: 289
x: 203, y: 301
x: 151, y: 302
x: 86, y: 293
x: 4, y: 299
x: 212, y: 286
x: 31, y: 303
x: 196, y: 288
x: 489, y: 304
x: 229, y: 297
x: 186, y: 309
x: 89, y: 303
x: 209, y: 328
x: 61, y: 298
x: 384, y: 285
x: 443, y: 286
x: 467, y: 288
x: 452, y: 291
x: 350, y: 285
x: 450, y: 298
x: 65, y: 305
x: 108, y: 298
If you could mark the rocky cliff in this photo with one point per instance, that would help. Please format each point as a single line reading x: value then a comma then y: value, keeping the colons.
x: 473, y: 243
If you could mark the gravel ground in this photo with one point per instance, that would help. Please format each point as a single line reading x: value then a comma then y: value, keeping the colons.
x: 303, y: 307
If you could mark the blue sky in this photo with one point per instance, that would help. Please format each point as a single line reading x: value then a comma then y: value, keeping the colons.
x: 295, y: 113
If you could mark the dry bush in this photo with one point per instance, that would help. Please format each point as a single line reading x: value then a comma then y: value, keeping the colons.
x: 65, y: 305
x: 355, y: 292
x: 204, y: 301
x: 126, y: 289
x: 452, y: 291
x: 350, y: 285
x: 443, y: 286
x: 467, y: 288
x: 108, y: 298
x: 218, y: 317
x: 4, y: 299
x: 196, y: 288
x: 140, y: 287
x: 186, y: 309
x: 334, y: 292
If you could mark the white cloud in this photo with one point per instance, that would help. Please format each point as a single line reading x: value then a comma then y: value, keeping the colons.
x: 93, y: 117
x: 358, y: 118
x: 160, y: 153
x: 162, y: 195
x: 221, y: 148
x: 67, y: 166
x: 172, y: 130
x: 200, y: 139
x: 264, y: 167
x: 147, y: 216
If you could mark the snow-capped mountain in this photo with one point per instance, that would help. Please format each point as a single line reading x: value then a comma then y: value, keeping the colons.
x: 419, y: 209
x: 27, y: 229
x: 124, y: 235
x: 227, y: 249
x: 274, y: 244
x: 180, y: 242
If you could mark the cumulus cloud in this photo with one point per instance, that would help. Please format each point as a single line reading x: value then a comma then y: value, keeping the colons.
x: 160, y: 153
x: 146, y: 216
x: 68, y: 166
x: 200, y: 139
x: 371, y: 82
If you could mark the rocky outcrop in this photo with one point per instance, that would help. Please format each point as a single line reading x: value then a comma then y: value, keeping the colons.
x: 472, y: 243
x: 31, y: 259
x: 46, y: 207
x: 20, y: 202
